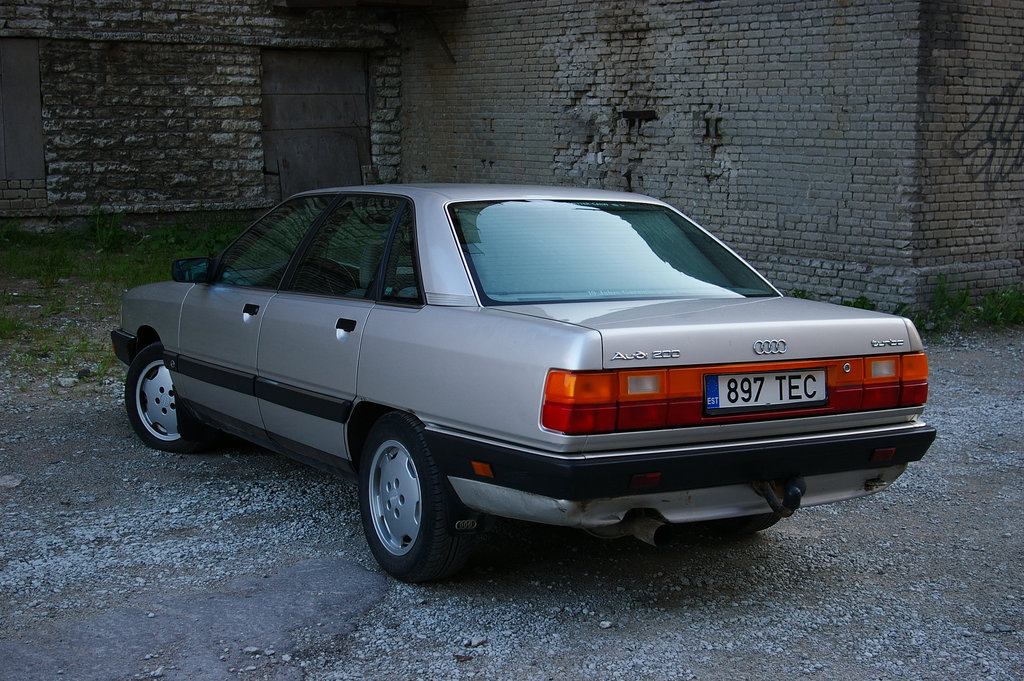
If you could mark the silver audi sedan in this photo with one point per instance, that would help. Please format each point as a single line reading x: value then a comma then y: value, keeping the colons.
x: 574, y: 357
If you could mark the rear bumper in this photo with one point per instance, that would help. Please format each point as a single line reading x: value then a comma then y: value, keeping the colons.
x: 684, y: 506
x: 693, y: 483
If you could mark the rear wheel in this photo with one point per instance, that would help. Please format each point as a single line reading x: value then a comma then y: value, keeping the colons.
x: 152, y: 404
x: 407, y: 511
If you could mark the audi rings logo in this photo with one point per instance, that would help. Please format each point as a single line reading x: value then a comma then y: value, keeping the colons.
x: 770, y: 347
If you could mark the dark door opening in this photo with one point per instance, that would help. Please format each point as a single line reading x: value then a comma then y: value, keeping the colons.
x: 316, y: 127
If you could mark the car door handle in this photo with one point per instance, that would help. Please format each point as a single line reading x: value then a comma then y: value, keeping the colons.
x: 344, y: 327
x: 249, y: 310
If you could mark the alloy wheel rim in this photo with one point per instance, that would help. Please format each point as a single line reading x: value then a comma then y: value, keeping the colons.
x: 156, y: 402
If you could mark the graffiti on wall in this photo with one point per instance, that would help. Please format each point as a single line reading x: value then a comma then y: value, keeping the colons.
x: 992, y: 143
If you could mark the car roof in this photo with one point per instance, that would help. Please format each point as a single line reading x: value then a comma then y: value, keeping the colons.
x: 488, y: 192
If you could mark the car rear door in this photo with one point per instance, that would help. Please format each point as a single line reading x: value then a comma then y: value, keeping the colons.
x: 312, y: 330
x: 215, y: 359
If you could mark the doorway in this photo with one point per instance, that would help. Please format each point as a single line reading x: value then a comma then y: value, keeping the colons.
x: 316, y: 127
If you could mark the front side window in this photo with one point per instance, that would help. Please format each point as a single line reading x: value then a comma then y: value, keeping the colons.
x: 550, y: 251
x: 345, y: 255
x: 259, y: 257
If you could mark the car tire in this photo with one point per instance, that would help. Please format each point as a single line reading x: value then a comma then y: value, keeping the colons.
x: 151, y: 403
x: 406, y: 508
x: 747, y: 524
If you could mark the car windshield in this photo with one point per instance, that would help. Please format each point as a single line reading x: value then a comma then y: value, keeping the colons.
x: 554, y: 251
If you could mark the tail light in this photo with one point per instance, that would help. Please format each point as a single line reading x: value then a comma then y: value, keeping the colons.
x: 593, y: 402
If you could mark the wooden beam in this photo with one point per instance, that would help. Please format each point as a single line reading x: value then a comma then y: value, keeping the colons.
x: 392, y: 4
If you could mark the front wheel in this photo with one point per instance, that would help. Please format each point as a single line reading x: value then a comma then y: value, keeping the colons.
x: 152, y: 404
x: 407, y: 512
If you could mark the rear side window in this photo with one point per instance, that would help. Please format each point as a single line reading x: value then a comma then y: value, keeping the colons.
x: 259, y: 257
x: 548, y: 251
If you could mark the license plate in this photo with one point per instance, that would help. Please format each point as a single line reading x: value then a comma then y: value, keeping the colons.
x: 770, y: 390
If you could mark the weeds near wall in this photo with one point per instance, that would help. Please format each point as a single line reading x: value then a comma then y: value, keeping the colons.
x: 952, y: 310
x: 948, y: 309
x: 861, y: 302
x: 1003, y: 308
x: 105, y: 231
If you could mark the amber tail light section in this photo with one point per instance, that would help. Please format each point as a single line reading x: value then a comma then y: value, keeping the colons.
x: 594, y: 402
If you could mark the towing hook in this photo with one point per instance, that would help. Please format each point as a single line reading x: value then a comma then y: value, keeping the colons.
x: 795, y: 489
x: 792, y: 492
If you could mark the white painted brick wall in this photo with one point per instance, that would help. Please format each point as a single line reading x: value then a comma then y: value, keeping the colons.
x: 828, y: 173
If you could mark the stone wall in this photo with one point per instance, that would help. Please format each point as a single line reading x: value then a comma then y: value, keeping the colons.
x: 792, y: 129
x: 155, y: 106
x: 136, y: 125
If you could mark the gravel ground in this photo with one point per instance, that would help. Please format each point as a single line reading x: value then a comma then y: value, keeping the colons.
x: 103, y: 540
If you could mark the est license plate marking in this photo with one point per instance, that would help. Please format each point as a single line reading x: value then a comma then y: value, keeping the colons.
x: 777, y: 389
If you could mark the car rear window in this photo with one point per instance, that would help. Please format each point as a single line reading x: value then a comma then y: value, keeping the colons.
x: 552, y: 251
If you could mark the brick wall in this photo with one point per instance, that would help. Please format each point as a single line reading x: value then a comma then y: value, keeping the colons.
x: 972, y: 161
x: 792, y: 129
x: 156, y: 106
x: 22, y: 196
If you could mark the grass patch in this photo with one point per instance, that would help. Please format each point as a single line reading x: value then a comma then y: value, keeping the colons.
x: 62, y: 289
x: 10, y: 326
x: 106, y: 253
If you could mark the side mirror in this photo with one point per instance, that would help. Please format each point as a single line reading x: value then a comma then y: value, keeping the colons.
x: 191, y: 270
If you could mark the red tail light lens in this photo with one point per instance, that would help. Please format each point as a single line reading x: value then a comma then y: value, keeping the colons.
x: 594, y: 402
x: 579, y: 419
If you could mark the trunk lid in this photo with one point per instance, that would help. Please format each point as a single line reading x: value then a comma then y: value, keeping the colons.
x: 639, y: 334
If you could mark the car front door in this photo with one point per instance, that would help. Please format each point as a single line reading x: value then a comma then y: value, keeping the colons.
x: 215, y: 361
x: 311, y: 332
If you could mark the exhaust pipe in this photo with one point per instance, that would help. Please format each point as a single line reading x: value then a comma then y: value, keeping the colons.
x: 649, y: 530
